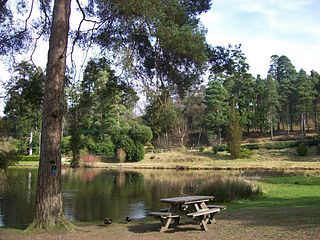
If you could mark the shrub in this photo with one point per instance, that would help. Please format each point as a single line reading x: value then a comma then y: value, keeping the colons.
x: 215, y: 149
x: 125, y: 142
x: 9, y: 158
x: 201, y: 149
x: 140, y: 133
x: 105, y: 147
x: 302, y: 149
x: 32, y: 158
x: 138, y: 153
x: 245, y: 153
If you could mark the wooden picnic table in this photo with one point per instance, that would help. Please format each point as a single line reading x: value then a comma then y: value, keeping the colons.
x: 191, y: 206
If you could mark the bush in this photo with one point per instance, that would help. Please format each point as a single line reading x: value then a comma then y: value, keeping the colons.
x: 138, y: 153
x: 215, y: 149
x: 302, y: 149
x: 31, y: 158
x: 134, y: 151
x: 103, y: 147
x: 9, y: 158
x: 201, y: 149
x: 245, y: 153
x: 140, y: 133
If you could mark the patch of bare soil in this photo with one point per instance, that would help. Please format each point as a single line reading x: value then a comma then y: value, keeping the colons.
x: 234, y: 225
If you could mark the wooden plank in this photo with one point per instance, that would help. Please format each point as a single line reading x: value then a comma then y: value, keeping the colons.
x: 217, y: 206
x: 160, y: 214
x: 203, y: 212
x: 186, y: 199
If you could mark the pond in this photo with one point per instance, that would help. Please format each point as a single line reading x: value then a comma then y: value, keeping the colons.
x: 90, y: 195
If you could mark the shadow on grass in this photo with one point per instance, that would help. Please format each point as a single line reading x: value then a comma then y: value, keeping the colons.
x: 290, y: 154
x: 155, y: 227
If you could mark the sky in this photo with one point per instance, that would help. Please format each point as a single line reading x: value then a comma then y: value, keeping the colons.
x: 267, y: 27
x: 262, y: 27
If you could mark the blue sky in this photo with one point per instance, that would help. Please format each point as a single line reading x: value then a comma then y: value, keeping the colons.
x: 267, y: 27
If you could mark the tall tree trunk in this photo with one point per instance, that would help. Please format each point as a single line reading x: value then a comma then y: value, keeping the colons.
x: 30, y: 142
x: 199, y: 136
x: 48, y: 210
x: 315, y: 121
x: 301, y: 123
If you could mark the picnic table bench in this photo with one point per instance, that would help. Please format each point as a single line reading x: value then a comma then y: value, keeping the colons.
x: 191, y: 206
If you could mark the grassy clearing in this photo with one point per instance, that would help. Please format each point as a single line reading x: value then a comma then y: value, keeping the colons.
x: 262, y: 159
x: 291, y: 201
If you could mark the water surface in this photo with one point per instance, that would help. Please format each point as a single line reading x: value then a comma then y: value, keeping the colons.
x: 93, y: 194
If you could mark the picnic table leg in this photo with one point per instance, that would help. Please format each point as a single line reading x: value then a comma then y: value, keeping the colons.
x: 212, y: 218
x: 165, y: 222
x: 203, y: 223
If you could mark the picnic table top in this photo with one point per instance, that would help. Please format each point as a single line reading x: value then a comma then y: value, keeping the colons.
x: 186, y: 199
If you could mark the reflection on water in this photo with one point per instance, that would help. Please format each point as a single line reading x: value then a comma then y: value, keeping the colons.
x: 93, y: 194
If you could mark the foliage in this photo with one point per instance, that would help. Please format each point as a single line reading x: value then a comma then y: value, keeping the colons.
x: 201, y: 149
x: 30, y: 158
x: 161, y: 114
x: 140, y: 134
x: 125, y: 142
x: 9, y: 158
x: 65, y: 145
x: 302, y: 149
x: 138, y: 153
x: 105, y: 147
x: 234, y: 133
x: 216, y: 110
x: 23, y: 103
x: 245, y: 153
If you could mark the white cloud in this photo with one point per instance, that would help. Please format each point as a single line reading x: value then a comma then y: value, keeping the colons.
x: 267, y: 27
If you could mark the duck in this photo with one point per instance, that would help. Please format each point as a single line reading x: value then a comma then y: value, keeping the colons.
x: 107, y: 221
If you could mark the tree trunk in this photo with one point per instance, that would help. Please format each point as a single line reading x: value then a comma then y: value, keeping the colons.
x: 199, y: 136
x: 30, y: 143
x: 48, y: 210
x: 271, y: 132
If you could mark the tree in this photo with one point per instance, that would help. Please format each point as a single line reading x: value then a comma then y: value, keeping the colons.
x: 272, y: 103
x: 49, y: 211
x: 315, y: 79
x: 286, y: 76
x: 305, y: 95
x: 162, y: 116
x: 24, y: 97
x: 216, y: 111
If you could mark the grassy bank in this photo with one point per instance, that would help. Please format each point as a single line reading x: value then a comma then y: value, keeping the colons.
x: 281, y: 159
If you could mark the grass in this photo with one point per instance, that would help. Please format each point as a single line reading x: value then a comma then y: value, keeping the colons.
x: 262, y: 159
x: 289, y: 191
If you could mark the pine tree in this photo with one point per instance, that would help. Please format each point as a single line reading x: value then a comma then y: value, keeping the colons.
x: 216, y: 110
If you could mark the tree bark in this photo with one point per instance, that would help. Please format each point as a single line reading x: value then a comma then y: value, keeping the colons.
x: 30, y: 143
x: 48, y: 209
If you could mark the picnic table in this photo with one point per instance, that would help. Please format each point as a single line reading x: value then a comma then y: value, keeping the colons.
x: 194, y: 207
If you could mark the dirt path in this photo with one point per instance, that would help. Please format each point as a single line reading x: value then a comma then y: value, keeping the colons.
x: 235, y: 225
